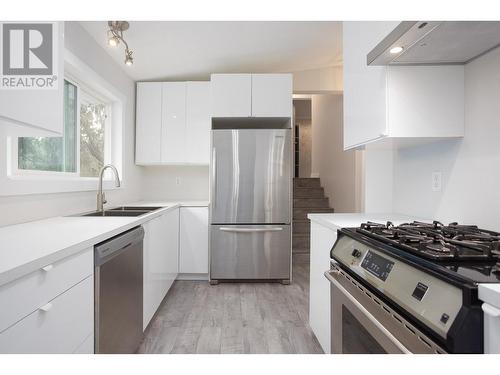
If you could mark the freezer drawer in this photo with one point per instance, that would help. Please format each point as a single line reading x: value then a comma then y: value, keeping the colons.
x: 251, y: 176
x: 250, y: 252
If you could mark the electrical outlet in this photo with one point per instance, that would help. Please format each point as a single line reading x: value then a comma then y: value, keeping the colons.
x: 177, y: 180
x: 436, y: 181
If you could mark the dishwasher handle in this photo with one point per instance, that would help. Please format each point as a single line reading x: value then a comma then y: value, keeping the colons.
x: 107, y: 250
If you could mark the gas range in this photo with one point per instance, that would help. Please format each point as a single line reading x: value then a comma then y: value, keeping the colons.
x: 425, y: 275
x: 470, y: 252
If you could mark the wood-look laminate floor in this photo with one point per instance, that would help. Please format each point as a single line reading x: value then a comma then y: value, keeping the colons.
x: 196, y: 317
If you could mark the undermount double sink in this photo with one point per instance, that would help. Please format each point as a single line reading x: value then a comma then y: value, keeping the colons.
x: 122, y: 211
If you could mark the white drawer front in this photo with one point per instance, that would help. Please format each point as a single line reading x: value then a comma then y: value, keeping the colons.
x: 21, y: 297
x: 62, y: 328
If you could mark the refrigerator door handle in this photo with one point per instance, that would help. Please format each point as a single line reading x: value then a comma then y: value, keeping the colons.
x: 250, y: 230
x: 214, y: 177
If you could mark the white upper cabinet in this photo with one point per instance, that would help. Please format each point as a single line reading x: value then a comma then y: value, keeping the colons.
x: 251, y: 95
x: 148, y: 123
x: 272, y: 95
x: 425, y: 101
x: 231, y: 95
x: 198, y: 122
x: 396, y: 101
x: 364, y: 86
x: 32, y: 111
x: 173, y: 123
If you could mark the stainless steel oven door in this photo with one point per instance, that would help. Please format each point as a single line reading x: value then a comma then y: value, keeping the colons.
x: 362, y: 324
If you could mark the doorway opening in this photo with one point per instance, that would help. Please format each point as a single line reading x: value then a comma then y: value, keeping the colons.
x: 302, y: 137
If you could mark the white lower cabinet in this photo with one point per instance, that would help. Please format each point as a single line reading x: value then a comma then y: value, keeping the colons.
x: 50, y: 310
x: 21, y: 297
x: 322, y: 240
x: 161, y: 259
x: 193, y: 240
x: 61, y: 325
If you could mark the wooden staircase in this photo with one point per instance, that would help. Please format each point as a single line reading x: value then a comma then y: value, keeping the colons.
x: 308, y: 197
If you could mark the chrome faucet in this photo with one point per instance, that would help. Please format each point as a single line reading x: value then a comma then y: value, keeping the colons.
x: 101, y: 198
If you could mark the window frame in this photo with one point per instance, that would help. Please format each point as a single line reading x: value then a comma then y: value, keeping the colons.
x: 16, y: 171
x: 48, y: 182
x: 83, y: 93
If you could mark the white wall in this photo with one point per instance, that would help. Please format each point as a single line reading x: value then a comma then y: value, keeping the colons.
x: 18, y: 209
x: 329, y: 79
x: 160, y: 183
x: 339, y: 170
x: 378, y: 177
x: 469, y: 166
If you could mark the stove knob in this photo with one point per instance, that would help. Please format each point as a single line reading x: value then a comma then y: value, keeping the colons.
x: 356, y: 253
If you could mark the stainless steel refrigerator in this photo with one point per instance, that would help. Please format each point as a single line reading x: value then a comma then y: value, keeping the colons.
x: 250, y: 236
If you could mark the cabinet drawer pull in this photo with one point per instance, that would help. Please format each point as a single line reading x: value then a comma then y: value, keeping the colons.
x: 47, y: 268
x: 46, y: 307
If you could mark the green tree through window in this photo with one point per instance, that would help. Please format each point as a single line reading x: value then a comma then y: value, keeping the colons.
x: 92, y: 124
x: 56, y: 154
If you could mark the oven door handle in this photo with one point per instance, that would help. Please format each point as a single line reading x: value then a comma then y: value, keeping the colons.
x: 330, y: 275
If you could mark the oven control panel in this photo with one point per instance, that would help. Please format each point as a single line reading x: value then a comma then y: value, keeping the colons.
x: 420, y: 291
x: 431, y: 300
x: 377, y: 265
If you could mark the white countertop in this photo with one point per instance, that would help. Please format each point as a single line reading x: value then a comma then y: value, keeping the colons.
x: 336, y: 221
x: 490, y: 293
x: 27, y: 247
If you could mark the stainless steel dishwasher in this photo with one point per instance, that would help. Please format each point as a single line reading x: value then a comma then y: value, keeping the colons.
x: 118, y: 293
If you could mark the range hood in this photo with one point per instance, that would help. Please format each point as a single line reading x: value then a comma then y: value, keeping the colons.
x: 436, y: 43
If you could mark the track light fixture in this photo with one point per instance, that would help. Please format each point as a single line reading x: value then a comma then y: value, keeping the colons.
x: 115, y: 36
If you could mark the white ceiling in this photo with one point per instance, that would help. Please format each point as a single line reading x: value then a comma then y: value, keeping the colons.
x: 178, y: 50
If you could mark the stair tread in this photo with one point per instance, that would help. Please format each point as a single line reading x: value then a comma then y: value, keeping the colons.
x: 301, y: 251
x: 301, y: 198
x: 319, y: 209
x: 301, y: 258
x: 308, y: 188
x: 319, y: 204
x: 306, y: 182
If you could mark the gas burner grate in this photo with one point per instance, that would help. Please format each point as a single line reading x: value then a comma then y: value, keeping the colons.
x: 436, y: 240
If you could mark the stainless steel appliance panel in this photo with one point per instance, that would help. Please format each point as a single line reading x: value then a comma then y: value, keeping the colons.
x: 250, y: 252
x: 119, y: 293
x: 363, y: 324
x: 251, y: 176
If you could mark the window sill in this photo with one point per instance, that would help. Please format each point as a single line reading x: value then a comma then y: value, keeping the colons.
x: 37, y: 184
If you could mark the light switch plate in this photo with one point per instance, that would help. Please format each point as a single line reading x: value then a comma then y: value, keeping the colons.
x: 436, y: 181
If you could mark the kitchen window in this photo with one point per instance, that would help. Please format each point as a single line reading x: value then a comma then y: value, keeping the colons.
x: 94, y: 113
x: 85, y: 145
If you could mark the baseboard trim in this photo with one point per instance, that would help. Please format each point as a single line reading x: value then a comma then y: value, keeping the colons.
x: 193, y: 276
